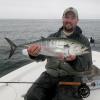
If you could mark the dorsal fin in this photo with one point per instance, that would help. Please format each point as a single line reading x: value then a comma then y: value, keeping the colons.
x: 43, y: 38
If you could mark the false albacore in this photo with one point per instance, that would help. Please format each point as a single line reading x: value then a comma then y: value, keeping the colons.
x: 54, y: 47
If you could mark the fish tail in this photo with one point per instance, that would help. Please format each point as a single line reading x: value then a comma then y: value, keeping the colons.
x: 12, y: 47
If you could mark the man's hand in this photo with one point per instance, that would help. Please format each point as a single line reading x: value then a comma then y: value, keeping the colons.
x: 70, y: 58
x: 34, y: 50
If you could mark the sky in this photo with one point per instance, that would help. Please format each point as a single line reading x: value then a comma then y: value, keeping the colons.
x: 48, y: 9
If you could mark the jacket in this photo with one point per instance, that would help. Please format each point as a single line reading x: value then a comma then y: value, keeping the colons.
x: 82, y: 63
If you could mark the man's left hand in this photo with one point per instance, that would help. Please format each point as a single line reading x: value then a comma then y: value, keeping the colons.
x: 70, y: 58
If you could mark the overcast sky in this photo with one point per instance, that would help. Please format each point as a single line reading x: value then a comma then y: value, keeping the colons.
x: 48, y: 9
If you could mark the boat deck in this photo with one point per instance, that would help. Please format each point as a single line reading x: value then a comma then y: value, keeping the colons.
x: 24, y: 77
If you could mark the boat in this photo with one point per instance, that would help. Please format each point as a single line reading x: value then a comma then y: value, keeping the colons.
x: 15, y: 84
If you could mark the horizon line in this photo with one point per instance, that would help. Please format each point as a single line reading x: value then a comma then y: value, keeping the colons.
x: 46, y: 18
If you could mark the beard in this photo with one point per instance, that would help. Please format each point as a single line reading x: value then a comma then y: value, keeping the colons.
x: 68, y: 27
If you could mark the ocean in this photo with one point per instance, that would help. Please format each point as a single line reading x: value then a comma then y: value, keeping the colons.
x: 26, y: 30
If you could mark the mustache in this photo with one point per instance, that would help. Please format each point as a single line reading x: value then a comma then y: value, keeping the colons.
x: 65, y: 27
x: 68, y: 23
x: 68, y: 30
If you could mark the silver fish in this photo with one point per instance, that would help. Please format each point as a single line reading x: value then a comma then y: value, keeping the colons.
x: 54, y: 47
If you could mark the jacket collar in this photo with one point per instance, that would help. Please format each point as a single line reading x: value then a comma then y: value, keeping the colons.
x: 77, y: 31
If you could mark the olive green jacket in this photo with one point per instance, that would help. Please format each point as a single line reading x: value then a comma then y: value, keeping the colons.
x: 82, y: 63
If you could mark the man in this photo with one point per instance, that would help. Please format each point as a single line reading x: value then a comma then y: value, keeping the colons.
x: 46, y: 86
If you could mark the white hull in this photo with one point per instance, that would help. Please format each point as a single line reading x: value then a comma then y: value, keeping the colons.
x: 29, y: 73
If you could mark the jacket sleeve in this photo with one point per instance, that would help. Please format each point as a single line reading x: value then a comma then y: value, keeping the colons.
x: 83, y: 62
x: 38, y: 58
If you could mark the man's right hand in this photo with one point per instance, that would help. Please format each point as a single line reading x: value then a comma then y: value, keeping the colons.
x: 34, y: 50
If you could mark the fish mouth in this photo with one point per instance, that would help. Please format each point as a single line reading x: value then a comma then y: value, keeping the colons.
x: 68, y: 27
x: 85, y: 51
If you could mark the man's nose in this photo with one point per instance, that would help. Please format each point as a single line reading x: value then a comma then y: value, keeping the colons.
x: 69, y: 20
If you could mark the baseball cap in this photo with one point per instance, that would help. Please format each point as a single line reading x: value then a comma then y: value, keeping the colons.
x: 71, y: 9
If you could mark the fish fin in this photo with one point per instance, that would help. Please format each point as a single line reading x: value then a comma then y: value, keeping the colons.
x: 12, y: 47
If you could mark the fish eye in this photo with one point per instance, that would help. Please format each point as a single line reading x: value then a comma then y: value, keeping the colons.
x: 82, y: 47
x: 66, y: 46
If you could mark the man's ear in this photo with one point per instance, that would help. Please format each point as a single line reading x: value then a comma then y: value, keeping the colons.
x: 77, y: 20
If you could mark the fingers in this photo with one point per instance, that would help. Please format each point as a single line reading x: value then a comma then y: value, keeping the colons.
x: 70, y: 58
x: 34, y: 50
x: 61, y: 56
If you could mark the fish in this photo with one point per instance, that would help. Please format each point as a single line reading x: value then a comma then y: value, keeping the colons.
x: 53, y: 46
